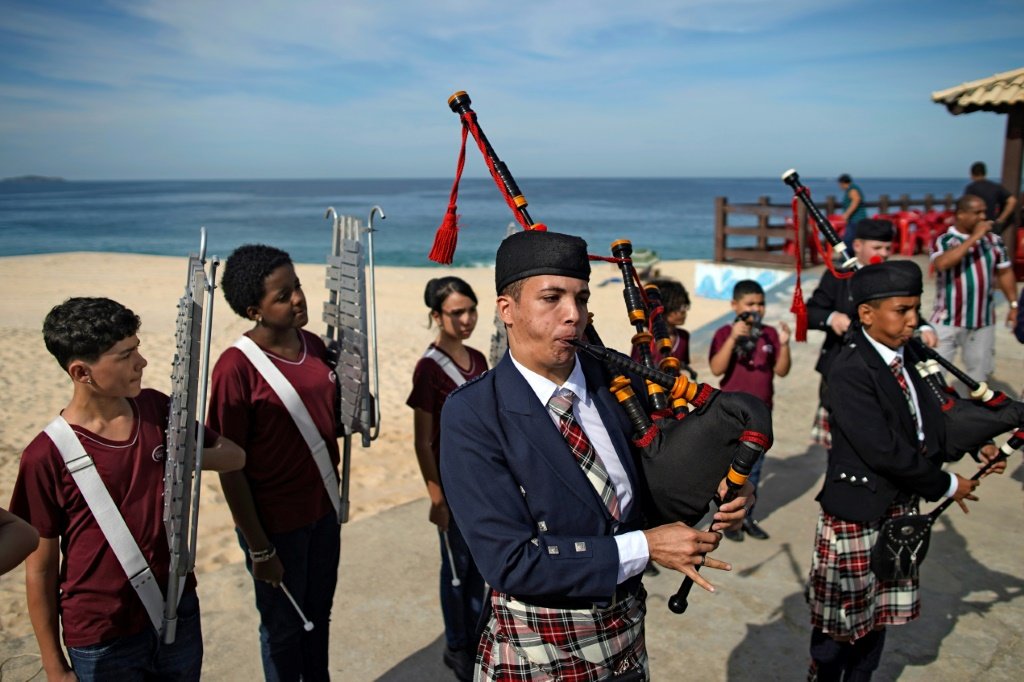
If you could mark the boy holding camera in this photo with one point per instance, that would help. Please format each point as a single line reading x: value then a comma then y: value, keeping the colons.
x: 748, y: 355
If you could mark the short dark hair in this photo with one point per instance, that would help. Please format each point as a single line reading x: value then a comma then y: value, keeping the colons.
x: 673, y: 294
x: 978, y: 168
x: 845, y: 178
x: 513, y: 290
x: 244, y: 273
x: 439, y: 289
x: 964, y: 202
x: 746, y: 287
x: 85, y: 328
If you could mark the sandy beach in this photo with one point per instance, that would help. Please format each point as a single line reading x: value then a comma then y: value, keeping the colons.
x: 388, y: 554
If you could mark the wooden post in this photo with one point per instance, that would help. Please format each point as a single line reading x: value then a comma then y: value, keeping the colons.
x: 929, y: 202
x: 720, y: 223
x: 948, y: 201
x: 830, y: 205
x: 802, y: 233
x: 762, y: 224
x: 883, y: 203
x: 904, y: 202
x: 1013, y: 154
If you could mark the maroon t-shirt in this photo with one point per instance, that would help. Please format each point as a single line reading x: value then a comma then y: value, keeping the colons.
x: 680, y: 348
x: 754, y: 373
x: 431, y: 386
x: 282, y: 475
x: 97, y: 603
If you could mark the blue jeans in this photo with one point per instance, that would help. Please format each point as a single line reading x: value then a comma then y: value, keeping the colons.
x: 144, y: 656
x: 310, y: 557
x: 460, y: 606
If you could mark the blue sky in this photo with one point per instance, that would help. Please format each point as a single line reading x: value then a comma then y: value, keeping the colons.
x: 162, y: 89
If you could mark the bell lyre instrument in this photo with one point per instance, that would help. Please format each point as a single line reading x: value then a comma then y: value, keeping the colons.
x: 185, y: 439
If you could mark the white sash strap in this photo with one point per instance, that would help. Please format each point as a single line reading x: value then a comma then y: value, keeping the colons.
x: 299, y: 414
x: 110, y: 521
x: 446, y: 364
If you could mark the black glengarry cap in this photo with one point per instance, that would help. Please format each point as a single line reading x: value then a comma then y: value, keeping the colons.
x: 886, y: 280
x: 539, y: 252
x: 878, y: 230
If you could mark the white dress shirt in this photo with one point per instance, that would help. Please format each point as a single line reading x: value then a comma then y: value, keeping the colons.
x: 887, y: 355
x: 632, y: 546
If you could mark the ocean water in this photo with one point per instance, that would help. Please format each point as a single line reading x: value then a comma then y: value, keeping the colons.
x: 672, y: 216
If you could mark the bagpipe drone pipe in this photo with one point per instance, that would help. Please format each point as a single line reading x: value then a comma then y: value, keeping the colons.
x: 968, y: 423
x: 684, y: 453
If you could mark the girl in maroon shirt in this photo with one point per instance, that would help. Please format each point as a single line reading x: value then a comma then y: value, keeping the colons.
x: 285, y: 520
x: 446, y: 364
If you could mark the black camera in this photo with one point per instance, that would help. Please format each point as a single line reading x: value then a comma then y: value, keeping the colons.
x: 745, y: 345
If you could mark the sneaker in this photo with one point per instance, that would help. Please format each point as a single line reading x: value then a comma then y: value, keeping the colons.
x: 461, y: 661
x: 753, y: 530
x: 734, y: 535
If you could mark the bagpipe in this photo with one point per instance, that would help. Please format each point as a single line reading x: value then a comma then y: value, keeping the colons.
x: 968, y: 423
x: 185, y: 439
x: 689, y: 435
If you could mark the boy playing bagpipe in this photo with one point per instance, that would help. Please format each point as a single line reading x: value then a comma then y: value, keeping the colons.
x: 885, y: 455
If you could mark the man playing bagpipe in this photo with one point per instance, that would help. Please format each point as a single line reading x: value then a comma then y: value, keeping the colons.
x: 886, y: 453
x: 539, y: 473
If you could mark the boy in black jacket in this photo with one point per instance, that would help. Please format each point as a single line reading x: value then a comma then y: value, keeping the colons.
x: 885, y: 455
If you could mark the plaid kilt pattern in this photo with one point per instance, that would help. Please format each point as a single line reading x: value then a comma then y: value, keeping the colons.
x: 525, y: 642
x: 845, y: 597
x: 820, y: 434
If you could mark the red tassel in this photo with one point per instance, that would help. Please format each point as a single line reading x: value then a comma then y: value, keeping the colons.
x: 799, y: 308
x: 448, y: 233
x: 445, y: 239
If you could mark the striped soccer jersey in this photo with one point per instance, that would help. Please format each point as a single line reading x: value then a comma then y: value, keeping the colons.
x: 963, y: 293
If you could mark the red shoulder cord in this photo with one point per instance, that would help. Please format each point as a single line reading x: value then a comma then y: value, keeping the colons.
x: 469, y: 121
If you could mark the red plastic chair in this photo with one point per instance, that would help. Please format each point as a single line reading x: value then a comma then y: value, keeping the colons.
x: 910, y: 227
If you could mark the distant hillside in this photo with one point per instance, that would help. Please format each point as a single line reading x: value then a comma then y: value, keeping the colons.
x: 33, y: 178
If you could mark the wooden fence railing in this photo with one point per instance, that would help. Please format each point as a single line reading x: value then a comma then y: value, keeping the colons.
x: 773, y: 239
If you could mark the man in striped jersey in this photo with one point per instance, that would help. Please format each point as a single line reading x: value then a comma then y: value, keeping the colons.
x: 970, y: 262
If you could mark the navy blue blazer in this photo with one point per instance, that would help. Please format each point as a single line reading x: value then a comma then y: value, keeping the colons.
x: 875, y: 454
x: 533, y: 522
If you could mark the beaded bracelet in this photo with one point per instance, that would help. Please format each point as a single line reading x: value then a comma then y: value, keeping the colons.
x: 258, y: 556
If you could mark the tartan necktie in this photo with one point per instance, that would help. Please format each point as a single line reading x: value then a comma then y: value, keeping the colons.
x: 585, y: 454
x: 896, y: 366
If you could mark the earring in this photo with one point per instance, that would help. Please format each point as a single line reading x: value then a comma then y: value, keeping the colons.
x: 88, y: 380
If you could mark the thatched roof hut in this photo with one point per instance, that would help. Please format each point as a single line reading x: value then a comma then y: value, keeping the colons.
x: 1002, y: 93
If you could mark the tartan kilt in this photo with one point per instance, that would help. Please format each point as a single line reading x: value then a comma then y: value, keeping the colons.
x: 845, y: 597
x: 526, y: 642
x: 820, y: 433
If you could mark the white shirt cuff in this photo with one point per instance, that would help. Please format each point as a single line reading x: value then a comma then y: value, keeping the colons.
x: 949, y: 492
x: 633, y: 554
